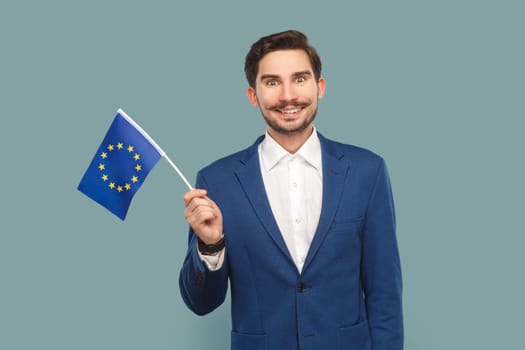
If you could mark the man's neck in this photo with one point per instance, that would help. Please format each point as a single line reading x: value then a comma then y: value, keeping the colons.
x: 291, y: 142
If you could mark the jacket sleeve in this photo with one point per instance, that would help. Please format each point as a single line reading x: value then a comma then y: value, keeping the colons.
x: 381, y: 267
x: 201, y: 289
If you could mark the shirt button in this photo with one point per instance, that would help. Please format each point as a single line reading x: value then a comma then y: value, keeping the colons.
x: 298, y: 220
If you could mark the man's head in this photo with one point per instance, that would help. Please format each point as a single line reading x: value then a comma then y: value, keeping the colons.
x: 288, y: 40
x: 283, y: 72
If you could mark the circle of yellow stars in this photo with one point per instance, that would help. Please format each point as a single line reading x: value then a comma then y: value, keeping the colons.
x: 102, y: 167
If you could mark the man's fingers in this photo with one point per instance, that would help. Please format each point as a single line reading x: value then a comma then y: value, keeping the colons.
x: 190, y: 195
x: 198, y: 206
x: 198, y: 203
x: 200, y: 216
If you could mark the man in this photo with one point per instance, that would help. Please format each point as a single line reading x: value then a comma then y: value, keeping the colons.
x: 303, y: 227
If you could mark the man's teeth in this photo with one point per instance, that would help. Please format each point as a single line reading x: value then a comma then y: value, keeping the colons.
x: 290, y: 111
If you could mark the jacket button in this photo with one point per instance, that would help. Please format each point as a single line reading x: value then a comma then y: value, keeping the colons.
x: 301, y: 287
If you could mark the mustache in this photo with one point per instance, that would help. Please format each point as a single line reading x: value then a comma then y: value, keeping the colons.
x: 284, y: 104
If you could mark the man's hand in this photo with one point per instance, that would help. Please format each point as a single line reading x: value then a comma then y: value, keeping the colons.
x: 203, y: 215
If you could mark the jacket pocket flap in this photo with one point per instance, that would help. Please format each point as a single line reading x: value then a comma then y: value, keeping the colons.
x: 241, y: 341
x: 354, y: 337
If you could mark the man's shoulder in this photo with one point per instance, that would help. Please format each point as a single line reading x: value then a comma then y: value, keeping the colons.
x: 350, y: 151
x: 232, y: 161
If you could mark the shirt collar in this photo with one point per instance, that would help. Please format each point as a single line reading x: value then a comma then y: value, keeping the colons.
x: 272, y: 153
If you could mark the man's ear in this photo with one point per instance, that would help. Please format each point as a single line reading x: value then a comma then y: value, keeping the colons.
x: 321, y: 86
x: 252, y: 96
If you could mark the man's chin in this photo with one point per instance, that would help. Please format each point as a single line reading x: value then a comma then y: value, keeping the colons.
x: 289, y: 129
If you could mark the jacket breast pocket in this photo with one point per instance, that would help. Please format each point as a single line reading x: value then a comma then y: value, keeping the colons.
x: 344, y: 237
x: 354, y: 337
x: 350, y: 225
x: 244, y: 341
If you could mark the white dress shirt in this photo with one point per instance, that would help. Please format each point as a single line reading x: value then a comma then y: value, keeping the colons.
x: 294, y: 186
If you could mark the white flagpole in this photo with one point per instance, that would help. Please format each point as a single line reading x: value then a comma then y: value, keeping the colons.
x: 154, y: 144
x: 178, y: 171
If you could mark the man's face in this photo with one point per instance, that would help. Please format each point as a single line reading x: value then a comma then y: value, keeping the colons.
x: 286, y: 92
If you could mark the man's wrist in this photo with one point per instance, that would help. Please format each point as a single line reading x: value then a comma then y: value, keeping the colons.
x: 211, y: 249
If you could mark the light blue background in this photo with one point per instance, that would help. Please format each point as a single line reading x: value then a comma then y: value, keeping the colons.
x: 436, y: 87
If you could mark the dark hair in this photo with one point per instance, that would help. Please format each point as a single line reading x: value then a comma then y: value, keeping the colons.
x: 288, y: 40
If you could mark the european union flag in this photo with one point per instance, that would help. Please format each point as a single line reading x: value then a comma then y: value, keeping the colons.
x: 120, y: 166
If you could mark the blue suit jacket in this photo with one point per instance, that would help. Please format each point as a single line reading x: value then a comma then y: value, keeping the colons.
x: 348, y: 295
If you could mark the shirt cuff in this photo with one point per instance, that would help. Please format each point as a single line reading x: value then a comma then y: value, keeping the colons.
x: 213, y: 262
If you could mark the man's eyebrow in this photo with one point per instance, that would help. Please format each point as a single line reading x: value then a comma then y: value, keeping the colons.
x: 295, y: 74
x: 304, y: 72
x: 269, y: 76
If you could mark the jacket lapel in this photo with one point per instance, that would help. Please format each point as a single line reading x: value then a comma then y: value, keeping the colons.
x: 252, y: 183
x: 335, y: 171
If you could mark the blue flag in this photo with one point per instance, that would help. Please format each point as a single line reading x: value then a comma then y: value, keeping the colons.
x: 120, y: 166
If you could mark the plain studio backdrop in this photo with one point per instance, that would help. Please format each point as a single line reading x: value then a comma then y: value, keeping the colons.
x: 436, y: 88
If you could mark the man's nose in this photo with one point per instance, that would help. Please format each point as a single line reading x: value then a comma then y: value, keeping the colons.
x: 288, y: 92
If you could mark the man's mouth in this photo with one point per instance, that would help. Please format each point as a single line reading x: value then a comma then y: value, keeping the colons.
x: 289, y: 111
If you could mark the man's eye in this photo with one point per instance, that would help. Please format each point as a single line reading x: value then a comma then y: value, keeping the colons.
x: 300, y: 79
x: 272, y: 82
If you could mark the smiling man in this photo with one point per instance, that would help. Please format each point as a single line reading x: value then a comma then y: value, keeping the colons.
x: 286, y: 90
x: 301, y: 226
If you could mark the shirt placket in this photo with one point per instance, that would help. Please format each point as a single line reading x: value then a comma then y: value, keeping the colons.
x: 297, y: 210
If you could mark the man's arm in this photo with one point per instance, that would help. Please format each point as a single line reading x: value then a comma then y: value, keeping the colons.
x: 381, y: 267
x: 202, y: 289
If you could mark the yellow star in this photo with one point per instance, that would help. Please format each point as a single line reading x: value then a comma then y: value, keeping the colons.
x: 104, y: 177
x: 104, y: 155
x: 138, y: 167
x: 127, y: 187
x: 131, y: 148
x: 119, y: 188
x: 101, y: 166
x: 134, y: 179
x: 136, y: 156
x: 112, y: 185
x: 111, y: 147
x: 120, y: 145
